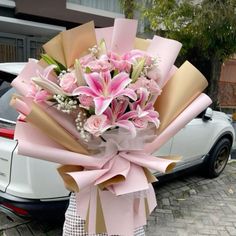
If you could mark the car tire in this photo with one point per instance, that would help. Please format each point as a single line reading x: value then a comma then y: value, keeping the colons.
x: 218, y: 158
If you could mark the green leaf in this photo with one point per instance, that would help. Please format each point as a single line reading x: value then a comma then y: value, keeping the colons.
x: 91, y: 111
x: 116, y: 72
x: 88, y: 70
x: 50, y: 61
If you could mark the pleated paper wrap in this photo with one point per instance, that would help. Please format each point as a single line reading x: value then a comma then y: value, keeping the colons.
x: 113, y: 183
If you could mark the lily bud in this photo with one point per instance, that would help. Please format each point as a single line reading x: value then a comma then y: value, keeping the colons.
x: 137, y: 69
x: 79, y: 73
x: 102, y: 48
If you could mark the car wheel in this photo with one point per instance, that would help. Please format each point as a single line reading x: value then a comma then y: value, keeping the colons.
x: 218, y: 158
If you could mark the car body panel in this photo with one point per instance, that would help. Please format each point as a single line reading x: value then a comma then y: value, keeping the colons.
x: 196, y: 139
x: 7, y: 147
x: 35, y: 179
x: 165, y: 149
x: 189, y: 144
x: 13, y: 68
x: 223, y: 125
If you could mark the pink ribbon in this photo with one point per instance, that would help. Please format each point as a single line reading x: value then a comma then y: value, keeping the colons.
x: 125, y: 158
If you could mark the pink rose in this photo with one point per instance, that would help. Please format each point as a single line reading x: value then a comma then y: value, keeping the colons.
x: 86, y: 101
x: 113, y: 56
x: 104, y: 64
x: 99, y: 66
x: 96, y: 124
x: 140, y: 122
x: 86, y: 59
x: 119, y: 63
x: 154, y: 73
x: 154, y: 88
x: 142, y: 82
x: 136, y: 54
x: 150, y: 84
x: 68, y: 82
x: 38, y: 94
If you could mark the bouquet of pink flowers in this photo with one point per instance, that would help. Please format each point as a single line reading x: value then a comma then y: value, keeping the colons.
x: 103, y: 91
x: 100, y: 102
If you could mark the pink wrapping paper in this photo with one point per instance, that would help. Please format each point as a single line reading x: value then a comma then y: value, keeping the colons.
x: 105, y: 34
x: 63, y: 119
x: 122, y: 205
x: 198, y: 105
x: 123, y: 36
x: 22, y: 82
x: 166, y: 50
x: 42, y: 147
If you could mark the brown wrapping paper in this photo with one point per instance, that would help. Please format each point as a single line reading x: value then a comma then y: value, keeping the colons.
x: 147, y: 207
x: 69, y: 182
x: 100, y: 221
x: 77, y: 41
x: 111, y: 181
x: 150, y: 177
x: 54, y: 130
x: 71, y: 44
x: 185, y: 85
x: 54, y: 49
x: 141, y: 44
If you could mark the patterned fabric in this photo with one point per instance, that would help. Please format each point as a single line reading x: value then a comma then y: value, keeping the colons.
x: 74, y: 225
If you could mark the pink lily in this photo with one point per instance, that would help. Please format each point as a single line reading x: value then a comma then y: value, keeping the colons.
x: 46, y: 81
x: 103, y: 89
x: 117, y: 115
x: 145, y: 109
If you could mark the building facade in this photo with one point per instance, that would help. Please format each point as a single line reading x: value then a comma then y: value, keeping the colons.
x: 227, y: 85
x: 25, y: 25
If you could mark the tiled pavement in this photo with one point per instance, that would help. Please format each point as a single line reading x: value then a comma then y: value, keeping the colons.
x: 190, y: 205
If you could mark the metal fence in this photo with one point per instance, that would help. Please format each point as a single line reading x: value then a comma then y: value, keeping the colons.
x: 18, y: 48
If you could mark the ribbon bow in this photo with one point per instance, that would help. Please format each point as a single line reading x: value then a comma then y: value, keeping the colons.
x: 125, y: 167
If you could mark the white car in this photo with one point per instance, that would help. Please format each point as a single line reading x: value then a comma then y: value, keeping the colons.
x: 28, y: 185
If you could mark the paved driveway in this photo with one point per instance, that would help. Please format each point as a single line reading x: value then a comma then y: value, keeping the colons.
x: 190, y: 205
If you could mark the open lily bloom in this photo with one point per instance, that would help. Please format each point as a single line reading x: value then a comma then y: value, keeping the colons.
x: 104, y: 89
x: 110, y: 101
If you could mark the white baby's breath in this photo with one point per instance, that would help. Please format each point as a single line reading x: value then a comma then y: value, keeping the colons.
x: 65, y: 104
x: 80, y: 121
x: 94, y: 50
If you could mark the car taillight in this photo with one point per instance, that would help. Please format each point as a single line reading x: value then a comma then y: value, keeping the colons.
x: 7, y: 133
x: 17, y: 210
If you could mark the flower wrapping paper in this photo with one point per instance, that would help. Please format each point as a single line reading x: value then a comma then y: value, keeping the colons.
x: 112, y: 177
